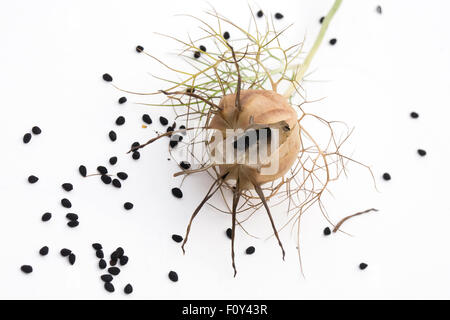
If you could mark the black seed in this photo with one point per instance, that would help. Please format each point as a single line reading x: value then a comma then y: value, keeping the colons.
x: 73, y: 224
x: 177, y: 238
x: 67, y: 186
x: 65, y: 252
x: 114, y: 255
x: 33, y: 179
x: 112, y: 160
x: 102, y: 170
x: 114, y: 271
x: 321, y: 20
x: 182, y: 128
x: 139, y: 49
x: 106, y: 278
x: 197, y: 54
x: 116, y: 183
x: 136, y: 155
x: 333, y: 41
x: 83, y: 171
x: 135, y: 145
x: 72, y: 259
x: 112, y: 135
x: 122, y: 176
x: 123, y: 260
x: 414, y: 115
x: 113, y: 262
x: 177, y: 193
x: 379, y: 10
x: 146, y: 118
x: 260, y: 14
x: 128, y: 205
x: 326, y: 231
x: 421, y: 152
x: 190, y: 90
x: 106, y: 179
x: 250, y: 250
x: 66, y: 203
x: 163, y: 121
x: 363, y: 265
x: 229, y: 233
x: 173, y: 276
x: 97, y: 246
x: 72, y: 216
x: 107, y: 77
x: 43, y: 251
x: 26, y: 269
x: 122, y: 100
x: 109, y: 287
x: 386, y: 176
x: 102, y: 264
x: 36, y: 130
x: 278, y: 16
x: 202, y: 48
x: 128, y: 289
x: 173, y: 143
x: 26, y: 137
x: 46, y: 216
x: 120, y: 252
x: 226, y: 35
x: 120, y: 120
x: 99, y: 254
x: 185, y: 165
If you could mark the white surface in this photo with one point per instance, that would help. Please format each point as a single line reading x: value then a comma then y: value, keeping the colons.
x: 52, y: 56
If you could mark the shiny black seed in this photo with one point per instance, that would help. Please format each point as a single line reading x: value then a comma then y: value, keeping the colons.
x: 136, y: 155
x: 26, y: 137
x: 114, y: 255
x: 99, y: 254
x: 321, y: 20
x: 202, y: 48
x: 226, y: 35
x: 67, y: 186
x: 139, y: 49
x: 26, y: 269
x: 185, y: 165
x: 122, y: 175
x: 414, y: 115
x: 250, y: 250
x: 120, y: 120
x: 197, y: 54
x: 260, y: 14
x: 229, y: 233
x: 102, y: 264
x: 120, y: 252
x: 135, y: 145
x: 146, y: 118
x: 379, y: 10
x: 72, y: 259
x: 128, y: 205
x: 173, y: 276
x: 46, y: 216
x: 65, y: 252
x: 173, y: 143
x: 106, y: 278
x: 122, y: 100
x: 278, y: 16
x: 97, y: 246
x: 109, y: 287
x: 112, y: 135
x: 333, y: 41
x: 106, y: 179
x: 33, y: 179
x: 421, y: 152
x: 83, y: 171
x: 386, y: 176
x: 163, y: 121
x: 112, y: 262
x: 177, y: 193
x: 36, y: 130
x: 363, y: 265
x: 112, y: 160
x: 326, y: 231
x: 123, y: 260
x: 102, y: 170
x: 107, y: 77
x: 73, y: 224
x: 66, y: 203
x: 177, y: 238
x: 128, y: 289
x: 114, y: 271
x: 116, y: 183
x: 43, y: 251
x: 72, y: 216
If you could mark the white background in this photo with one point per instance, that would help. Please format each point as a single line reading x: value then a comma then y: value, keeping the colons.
x: 52, y: 56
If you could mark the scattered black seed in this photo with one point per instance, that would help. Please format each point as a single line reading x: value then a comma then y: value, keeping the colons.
x: 363, y: 265
x: 26, y: 269
x: 229, y: 233
x: 112, y: 135
x: 114, y: 271
x: 116, y: 183
x: 106, y: 179
x: 46, y: 216
x: 321, y: 20
x: 122, y: 100
x: 333, y: 41
x: 66, y: 203
x: 260, y: 14
x: 128, y: 289
x: 102, y: 170
x: 128, y: 205
x: 185, y: 165
x: 197, y: 54
x: 73, y: 224
x: 36, y: 130
x: 177, y: 193
x: 112, y: 160
x: 26, y: 137
x: 83, y: 171
x: 43, y: 251
x: 122, y: 175
x: 112, y: 262
x: 67, y: 186
x: 97, y: 246
x: 250, y: 250
x: 120, y: 252
x: 163, y: 121
x: 120, y: 120
x: 123, y: 260
x: 139, y: 49
x: 414, y: 115
x: 173, y: 276
x: 106, y: 278
x: 278, y: 16
x: 65, y: 252
x: 226, y: 35
x: 72, y: 258
x: 136, y: 155
x: 114, y: 255
x: 173, y: 143
x: 182, y: 127
x: 99, y: 253
x: 146, y: 118
x: 386, y: 176
x: 72, y: 216
x: 326, y: 231
x: 33, y: 179
x: 202, y: 48
x: 102, y: 264
x: 107, y: 77
x: 177, y: 238
x: 109, y: 287
x: 379, y: 10
x: 421, y: 152
x: 135, y: 145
